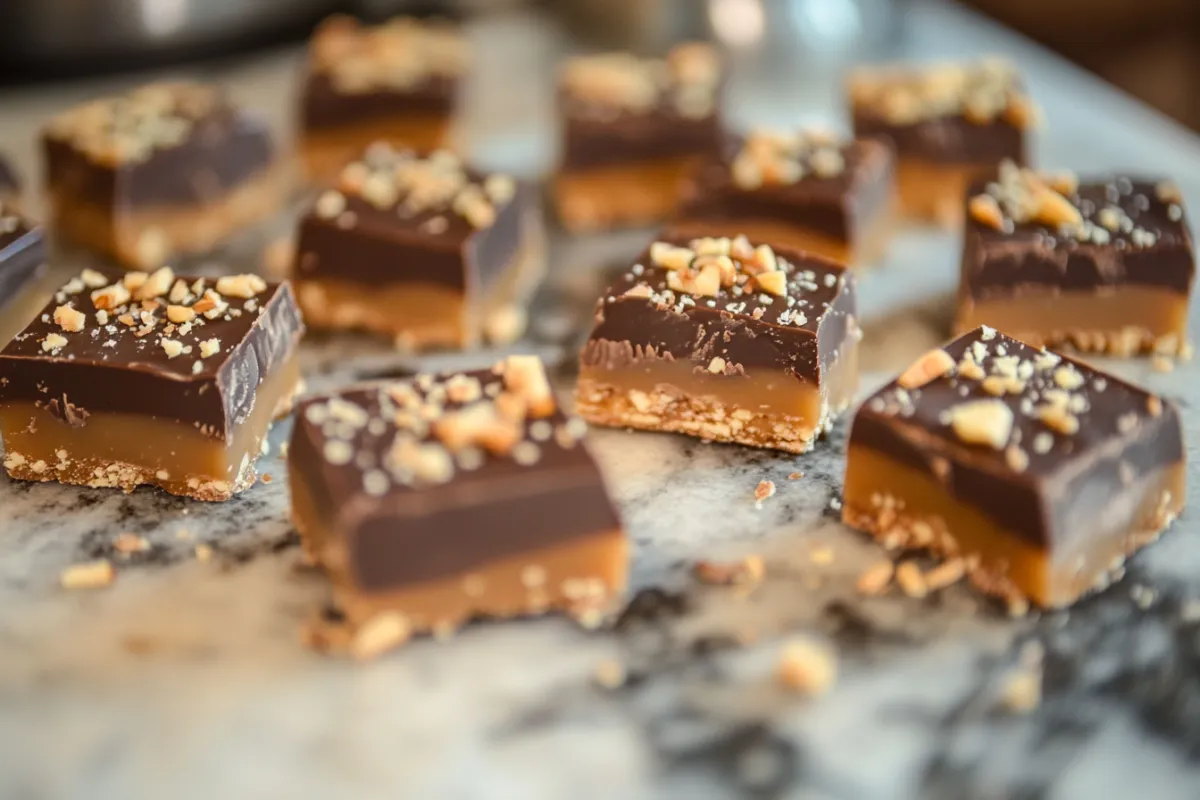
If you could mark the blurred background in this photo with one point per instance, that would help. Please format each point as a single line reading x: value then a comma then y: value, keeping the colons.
x: 1147, y: 47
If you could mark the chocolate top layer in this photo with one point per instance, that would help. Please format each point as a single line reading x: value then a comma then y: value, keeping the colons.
x: 162, y: 144
x: 361, y: 72
x: 811, y: 179
x: 22, y: 251
x: 1022, y: 232
x: 1020, y: 433
x: 108, y: 342
x: 775, y: 309
x: 422, y: 476
x: 456, y: 225
x: 619, y: 108
x: 967, y: 113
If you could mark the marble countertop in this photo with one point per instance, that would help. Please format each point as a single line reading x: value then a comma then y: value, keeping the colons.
x: 186, y: 679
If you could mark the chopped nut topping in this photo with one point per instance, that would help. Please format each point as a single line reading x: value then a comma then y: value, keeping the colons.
x: 69, y: 319
x: 929, y: 367
x: 53, y: 343
x: 130, y: 543
x: 986, y: 422
x: 773, y: 283
x: 764, y: 490
x: 610, y: 674
x: 808, y: 667
x: 382, y: 632
x: 911, y: 580
x: 210, y: 347
x: 111, y: 297
x: 398, y: 55
x: 717, y: 366
x: 93, y: 279
x: 243, y: 286
x: 985, y: 209
x: 93, y: 575
x: 1154, y: 406
x: 172, y: 347
x: 156, y: 285
x: 330, y: 204
x: 607, y: 84
x: 668, y: 256
x: 525, y: 376
x: 875, y: 579
x: 980, y: 91
x: 180, y: 314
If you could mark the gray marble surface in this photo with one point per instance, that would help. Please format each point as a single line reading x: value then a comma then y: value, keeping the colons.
x: 186, y: 679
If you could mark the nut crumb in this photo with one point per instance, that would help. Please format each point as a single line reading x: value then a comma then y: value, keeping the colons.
x: 92, y: 575
x: 910, y: 580
x: 931, y: 366
x: 764, y: 490
x: 610, y: 674
x: 69, y: 319
x: 807, y: 666
x: 130, y: 543
x: 1022, y: 690
x: 379, y: 634
x: 203, y: 552
x: 876, y: 579
x: 986, y: 422
x: 795, y: 476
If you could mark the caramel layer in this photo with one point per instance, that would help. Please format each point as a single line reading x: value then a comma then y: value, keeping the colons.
x: 906, y: 508
x: 867, y: 249
x: 327, y: 150
x: 1127, y: 320
x: 147, y: 238
x: 129, y: 450
x: 577, y: 576
x: 763, y: 410
x: 423, y: 315
x: 619, y: 196
x: 935, y: 192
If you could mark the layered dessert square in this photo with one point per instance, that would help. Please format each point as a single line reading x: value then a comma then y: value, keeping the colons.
x: 421, y: 249
x: 396, y: 83
x: 1040, y: 473
x: 447, y: 497
x: 165, y: 170
x: 949, y: 124
x: 724, y: 339
x: 632, y: 130
x: 806, y: 190
x: 1103, y: 265
x: 150, y: 379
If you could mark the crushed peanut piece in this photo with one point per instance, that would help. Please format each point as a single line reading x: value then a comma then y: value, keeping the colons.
x: 929, y: 367
x: 379, y: 634
x: 92, y: 575
x: 69, y: 319
x: 807, y: 666
x: 875, y: 579
x: 986, y: 422
x: 762, y: 491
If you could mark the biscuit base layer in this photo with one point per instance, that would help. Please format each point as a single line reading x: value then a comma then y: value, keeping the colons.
x: 125, y: 451
x: 146, y: 238
x: 907, y: 509
x: 425, y: 315
x: 619, y: 196
x: 1124, y: 321
x: 777, y: 412
x: 324, y: 151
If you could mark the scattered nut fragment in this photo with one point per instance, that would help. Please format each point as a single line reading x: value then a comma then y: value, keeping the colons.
x: 111, y: 296
x: 1154, y: 405
x: 93, y: 279
x: 172, y: 347
x: 130, y: 543
x: 53, y: 343
x: 210, y: 347
x: 807, y: 666
x: 910, y: 579
x: 716, y: 366
x: 947, y: 573
x: 875, y: 579
x: 203, y: 552
x: 764, y: 490
x: 610, y: 674
x: 379, y: 634
x: 92, y: 575
x: 526, y: 377
x: 669, y: 256
x: 1168, y: 192
x: 69, y: 319
x: 750, y: 570
x: 929, y: 367
x: 330, y: 204
x: 986, y: 422
x: 1022, y: 689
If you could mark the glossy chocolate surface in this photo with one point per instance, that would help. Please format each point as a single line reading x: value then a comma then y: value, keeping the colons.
x: 110, y: 368
x: 411, y: 532
x: 22, y: 252
x: 949, y: 141
x: 126, y: 162
x: 323, y: 106
x: 836, y: 206
x: 1039, y: 257
x: 1060, y: 488
x: 801, y: 339
x: 374, y: 244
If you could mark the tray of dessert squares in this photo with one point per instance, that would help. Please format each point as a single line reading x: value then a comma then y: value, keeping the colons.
x: 452, y: 445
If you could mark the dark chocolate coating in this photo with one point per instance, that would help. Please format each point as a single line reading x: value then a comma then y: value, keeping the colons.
x: 1060, y: 489
x: 1036, y: 257
x: 383, y: 247
x: 626, y: 327
x: 838, y: 207
x: 22, y: 254
x: 947, y: 140
x: 324, y: 107
x: 414, y: 534
x: 225, y: 148
x: 136, y: 376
